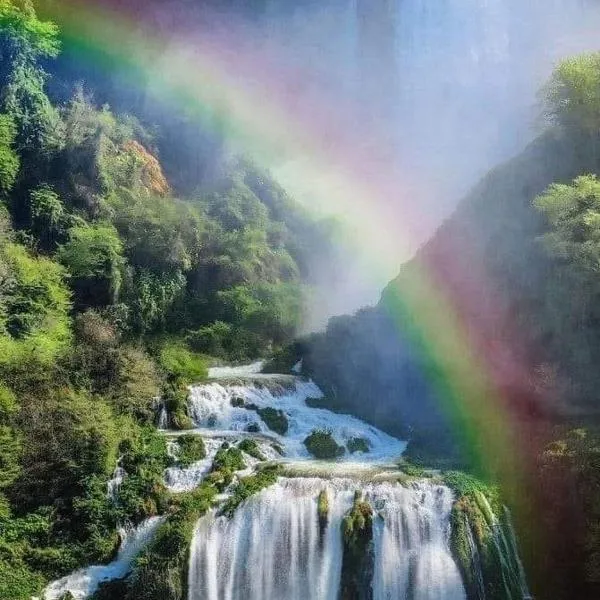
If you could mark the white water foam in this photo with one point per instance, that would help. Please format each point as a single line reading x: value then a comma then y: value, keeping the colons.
x: 210, y: 407
x: 239, y: 371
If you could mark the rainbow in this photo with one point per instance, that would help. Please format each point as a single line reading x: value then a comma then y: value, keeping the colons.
x: 446, y: 315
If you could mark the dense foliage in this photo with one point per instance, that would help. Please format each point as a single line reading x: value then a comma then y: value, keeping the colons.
x: 114, y: 292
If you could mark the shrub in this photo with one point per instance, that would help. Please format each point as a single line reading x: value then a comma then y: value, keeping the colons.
x: 182, y: 365
x: 320, y: 444
x: 191, y: 450
x: 175, y: 400
x: 248, y: 486
x: 250, y: 447
x: 274, y: 419
x: 228, y: 459
x: 357, y: 444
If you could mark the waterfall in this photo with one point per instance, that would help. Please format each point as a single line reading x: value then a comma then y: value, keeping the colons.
x: 85, y: 582
x: 222, y: 406
x: 412, y: 559
x: 114, y: 484
x: 273, y: 547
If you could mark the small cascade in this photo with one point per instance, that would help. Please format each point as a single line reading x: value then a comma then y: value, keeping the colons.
x: 286, y: 555
x: 114, y: 484
x: 162, y: 415
x: 83, y: 583
x: 179, y: 479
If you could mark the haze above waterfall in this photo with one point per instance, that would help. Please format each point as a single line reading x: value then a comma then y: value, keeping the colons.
x: 416, y: 98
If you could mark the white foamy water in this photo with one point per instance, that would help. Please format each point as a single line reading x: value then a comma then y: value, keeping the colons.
x: 273, y: 546
x: 85, y: 582
x: 239, y: 371
x: 210, y: 407
x: 412, y: 557
x: 114, y: 484
x: 178, y: 479
x: 185, y: 479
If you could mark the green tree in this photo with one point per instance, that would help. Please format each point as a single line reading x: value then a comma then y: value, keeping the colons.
x: 573, y: 214
x: 24, y: 40
x: 9, y: 159
x: 572, y: 97
x: 48, y: 217
x: 34, y: 307
x: 93, y: 256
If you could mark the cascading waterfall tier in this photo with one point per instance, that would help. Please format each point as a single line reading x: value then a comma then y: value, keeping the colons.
x: 233, y: 405
x: 274, y: 548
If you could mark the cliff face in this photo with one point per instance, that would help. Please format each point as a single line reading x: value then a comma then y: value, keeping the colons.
x: 488, y: 264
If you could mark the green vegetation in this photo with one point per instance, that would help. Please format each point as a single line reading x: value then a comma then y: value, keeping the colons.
x: 182, y: 365
x: 478, y: 518
x: 358, y: 444
x: 320, y: 444
x: 323, y: 513
x: 358, y: 558
x: 249, y: 486
x: 191, y: 450
x: 227, y: 461
x: 160, y: 573
x: 274, y: 419
x: 114, y: 287
x: 250, y: 447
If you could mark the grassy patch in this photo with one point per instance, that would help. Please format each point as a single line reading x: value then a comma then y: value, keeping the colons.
x: 250, y: 447
x: 248, y: 486
x: 191, y: 450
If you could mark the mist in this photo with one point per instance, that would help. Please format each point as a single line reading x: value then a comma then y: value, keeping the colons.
x: 408, y: 102
x: 439, y: 92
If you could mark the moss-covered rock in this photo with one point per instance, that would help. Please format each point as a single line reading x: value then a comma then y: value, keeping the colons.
x: 228, y: 458
x: 111, y: 590
x: 320, y: 444
x: 191, y: 450
x: 227, y: 461
x: 274, y: 419
x: 237, y: 402
x: 482, y: 542
x: 358, y: 559
x: 175, y: 396
x: 323, y: 513
x: 248, y: 486
x: 358, y: 444
x: 250, y: 447
x: 253, y: 428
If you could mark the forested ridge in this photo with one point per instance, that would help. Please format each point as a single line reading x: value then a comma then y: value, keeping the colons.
x: 519, y: 260
x: 115, y: 291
